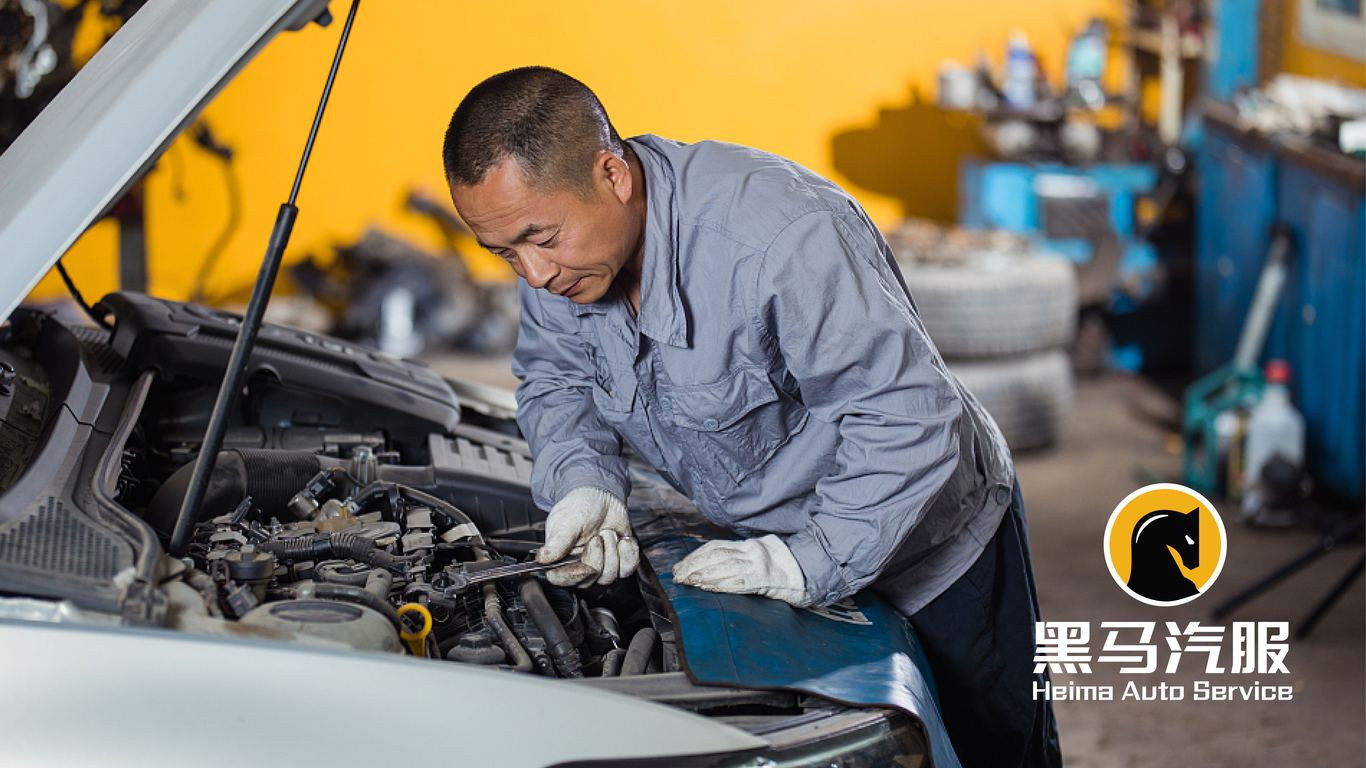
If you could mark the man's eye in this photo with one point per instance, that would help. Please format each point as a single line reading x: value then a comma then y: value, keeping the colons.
x: 547, y: 243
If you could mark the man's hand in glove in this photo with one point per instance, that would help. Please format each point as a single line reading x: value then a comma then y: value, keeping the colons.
x: 594, y: 521
x: 763, y: 566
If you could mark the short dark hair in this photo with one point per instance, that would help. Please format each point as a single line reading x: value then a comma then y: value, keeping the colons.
x: 550, y: 123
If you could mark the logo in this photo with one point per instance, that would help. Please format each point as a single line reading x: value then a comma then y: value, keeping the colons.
x: 1165, y: 544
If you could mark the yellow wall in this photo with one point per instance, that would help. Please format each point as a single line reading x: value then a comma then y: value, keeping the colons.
x: 796, y: 77
x: 1297, y: 58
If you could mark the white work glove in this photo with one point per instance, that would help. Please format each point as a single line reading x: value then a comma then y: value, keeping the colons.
x: 591, y: 522
x: 762, y: 566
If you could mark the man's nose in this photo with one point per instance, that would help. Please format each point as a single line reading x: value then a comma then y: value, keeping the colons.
x: 537, y: 270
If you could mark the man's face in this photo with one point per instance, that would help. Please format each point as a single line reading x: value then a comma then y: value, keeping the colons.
x: 558, y: 240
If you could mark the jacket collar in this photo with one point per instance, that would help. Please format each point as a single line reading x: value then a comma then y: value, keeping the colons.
x: 662, y: 316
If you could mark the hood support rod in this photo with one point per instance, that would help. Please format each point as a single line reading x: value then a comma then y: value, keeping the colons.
x: 251, y: 322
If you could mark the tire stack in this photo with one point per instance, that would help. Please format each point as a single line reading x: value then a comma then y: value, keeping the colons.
x: 1002, y: 315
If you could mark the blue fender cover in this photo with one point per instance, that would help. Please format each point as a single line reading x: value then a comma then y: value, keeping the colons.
x: 859, y: 652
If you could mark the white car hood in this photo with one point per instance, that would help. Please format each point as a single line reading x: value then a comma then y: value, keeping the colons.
x: 119, y: 696
x: 112, y: 120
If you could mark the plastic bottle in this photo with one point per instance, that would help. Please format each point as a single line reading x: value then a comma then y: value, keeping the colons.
x: 1275, y: 429
x: 1020, y: 70
x: 1086, y: 56
x: 1086, y: 65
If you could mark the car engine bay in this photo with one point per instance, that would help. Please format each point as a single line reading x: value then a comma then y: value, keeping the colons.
x: 367, y: 561
x: 352, y: 506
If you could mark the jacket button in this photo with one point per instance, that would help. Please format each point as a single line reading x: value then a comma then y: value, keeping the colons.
x: 711, y: 424
x: 1002, y: 495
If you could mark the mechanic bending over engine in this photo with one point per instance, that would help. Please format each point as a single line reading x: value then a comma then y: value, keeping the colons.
x: 741, y: 324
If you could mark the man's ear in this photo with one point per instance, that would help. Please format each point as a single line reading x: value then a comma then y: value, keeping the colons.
x: 612, y: 170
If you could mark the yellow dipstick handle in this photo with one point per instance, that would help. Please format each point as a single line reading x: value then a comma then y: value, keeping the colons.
x: 417, y: 641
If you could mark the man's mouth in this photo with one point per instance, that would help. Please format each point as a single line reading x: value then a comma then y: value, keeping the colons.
x: 573, y: 288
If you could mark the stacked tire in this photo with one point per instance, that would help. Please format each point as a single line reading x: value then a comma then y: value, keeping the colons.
x: 1003, y: 319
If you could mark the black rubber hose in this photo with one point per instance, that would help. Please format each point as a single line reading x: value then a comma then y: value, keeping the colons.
x: 345, y: 546
x: 558, y: 644
x: 274, y: 476
x: 611, y: 662
x: 639, y: 652
x: 269, y: 477
x: 493, y: 616
x: 360, y: 596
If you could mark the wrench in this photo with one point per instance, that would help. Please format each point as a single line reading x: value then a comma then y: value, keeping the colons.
x: 463, y: 579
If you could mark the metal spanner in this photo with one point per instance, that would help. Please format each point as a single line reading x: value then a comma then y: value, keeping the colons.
x: 464, y: 578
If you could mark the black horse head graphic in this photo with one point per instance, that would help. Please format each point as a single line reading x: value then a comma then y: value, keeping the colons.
x: 1154, y: 573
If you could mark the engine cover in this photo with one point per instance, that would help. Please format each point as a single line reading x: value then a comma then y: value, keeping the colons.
x: 315, y: 380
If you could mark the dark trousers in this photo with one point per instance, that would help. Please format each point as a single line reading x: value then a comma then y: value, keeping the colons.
x: 979, y: 638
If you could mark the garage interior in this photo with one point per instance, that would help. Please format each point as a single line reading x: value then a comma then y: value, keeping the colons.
x: 1125, y: 224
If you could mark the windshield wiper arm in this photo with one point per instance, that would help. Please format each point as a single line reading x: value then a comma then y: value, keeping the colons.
x: 251, y: 321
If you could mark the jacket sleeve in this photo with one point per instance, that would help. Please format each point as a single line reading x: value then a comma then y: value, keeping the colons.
x: 571, y: 444
x: 847, y: 331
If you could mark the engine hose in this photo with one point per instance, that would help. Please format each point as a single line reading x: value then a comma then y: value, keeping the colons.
x: 269, y: 477
x: 346, y: 593
x: 493, y: 616
x: 639, y: 652
x: 340, y: 545
x: 611, y: 662
x: 558, y: 644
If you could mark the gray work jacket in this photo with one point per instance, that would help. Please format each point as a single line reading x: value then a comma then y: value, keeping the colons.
x: 777, y: 374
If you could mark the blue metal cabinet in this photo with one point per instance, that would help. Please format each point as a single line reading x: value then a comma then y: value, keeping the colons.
x: 1237, y: 205
x: 1247, y: 183
x: 1321, y: 324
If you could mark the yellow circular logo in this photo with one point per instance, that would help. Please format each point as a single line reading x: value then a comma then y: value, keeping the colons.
x: 1165, y: 544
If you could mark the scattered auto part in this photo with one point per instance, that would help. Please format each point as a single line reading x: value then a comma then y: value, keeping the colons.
x: 384, y: 291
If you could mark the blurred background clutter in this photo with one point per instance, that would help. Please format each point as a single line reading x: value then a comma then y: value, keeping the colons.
x: 1136, y: 229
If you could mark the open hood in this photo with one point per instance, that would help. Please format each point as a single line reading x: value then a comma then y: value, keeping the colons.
x: 113, y: 119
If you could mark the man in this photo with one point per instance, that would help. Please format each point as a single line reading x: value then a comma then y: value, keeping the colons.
x: 740, y: 323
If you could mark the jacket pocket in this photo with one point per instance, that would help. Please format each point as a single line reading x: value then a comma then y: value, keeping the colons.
x: 733, y: 426
x: 614, y: 391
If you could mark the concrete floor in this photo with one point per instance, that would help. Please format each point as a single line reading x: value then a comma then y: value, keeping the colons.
x: 1112, y: 445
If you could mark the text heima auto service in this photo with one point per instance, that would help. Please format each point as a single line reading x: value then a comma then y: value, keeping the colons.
x: 1256, y: 648
x: 1201, y: 690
